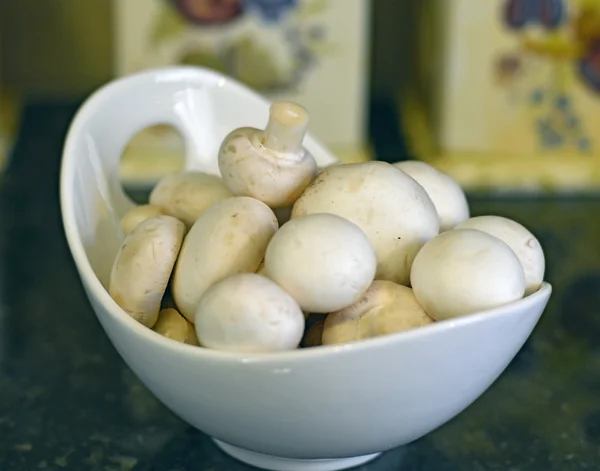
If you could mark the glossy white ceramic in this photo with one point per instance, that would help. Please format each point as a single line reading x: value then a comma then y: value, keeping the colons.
x: 324, y: 408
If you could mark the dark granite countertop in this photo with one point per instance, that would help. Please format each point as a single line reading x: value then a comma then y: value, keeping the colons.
x: 68, y: 402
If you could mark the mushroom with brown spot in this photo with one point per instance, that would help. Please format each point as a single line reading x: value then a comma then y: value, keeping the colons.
x: 385, y: 308
x: 143, y: 265
x: 391, y: 208
x: 186, y: 195
x: 132, y: 218
x: 271, y: 165
x: 229, y: 237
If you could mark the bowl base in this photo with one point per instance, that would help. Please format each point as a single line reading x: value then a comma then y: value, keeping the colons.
x: 276, y: 463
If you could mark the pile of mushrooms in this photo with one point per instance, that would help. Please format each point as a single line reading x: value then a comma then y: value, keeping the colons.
x: 278, y: 254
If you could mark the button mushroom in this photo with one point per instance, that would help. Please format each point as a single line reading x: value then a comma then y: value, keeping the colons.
x: 517, y: 237
x: 391, y: 208
x: 229, y: 237
x: 269, y: 165
x: 447, y: 196
x: 385, y: 308
x: 143, y: 265
x: 464, y: 271
x: 186, y: 195
x: 324, y: 261
x: 248, y: 313
x: 136, y: 215
x: 174, y: 326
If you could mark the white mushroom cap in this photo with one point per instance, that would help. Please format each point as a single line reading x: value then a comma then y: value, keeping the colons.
x: 136, y: 215
x: 520, y: 240
x: 447, y: 196
x: 248, y: 313
x: 186, y: 195
x: 324, y: 261
x: 465, y: 271
x: 229, y: 237
x: 174, y: 326
x: 385, y: 308
x: 391, y: 208
x: 269, y: 165
x: 143, y: 266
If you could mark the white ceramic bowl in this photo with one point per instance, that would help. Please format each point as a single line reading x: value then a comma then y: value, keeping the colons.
x: 324, y: 408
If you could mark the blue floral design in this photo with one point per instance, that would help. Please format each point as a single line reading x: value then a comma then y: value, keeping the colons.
x: 560, y: 127
x: 562, y: 103
x: 520, y: 13
x: 270, y: 10
x: 537, y: 97
x: 583, y: 143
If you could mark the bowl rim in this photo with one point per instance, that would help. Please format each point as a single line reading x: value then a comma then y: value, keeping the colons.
x: 97, y: 291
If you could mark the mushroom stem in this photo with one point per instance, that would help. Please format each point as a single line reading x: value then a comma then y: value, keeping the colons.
x: 286, y: 127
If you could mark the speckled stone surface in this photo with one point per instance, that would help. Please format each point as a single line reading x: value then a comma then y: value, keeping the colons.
x: 68, y: 402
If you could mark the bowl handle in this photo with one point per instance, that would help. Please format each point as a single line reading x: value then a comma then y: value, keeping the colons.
x: 102, y: 128
x: 180, y: 97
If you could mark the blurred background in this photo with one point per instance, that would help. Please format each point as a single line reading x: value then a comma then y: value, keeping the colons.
x: 503, y: 95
